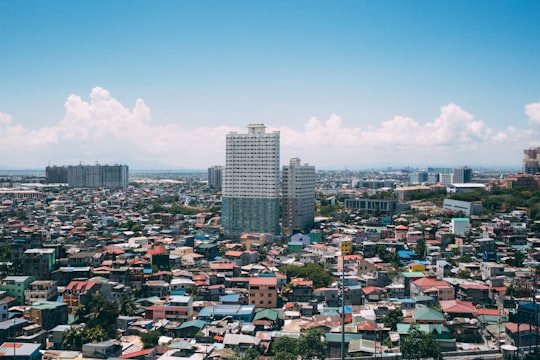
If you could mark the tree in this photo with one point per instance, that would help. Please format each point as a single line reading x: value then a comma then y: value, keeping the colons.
x: 516, y: 260
x: 251, y: 354
x: 463, y: 274
x: 150, y: 338
x: 284, y: 345
x: 99, y: 313
x: 418, y: 345
x: 77, y: 335
x: 420, y: 247
x: 309, y: 271
x: 392, y: 318
x: 127, y: 306
x: 311, y: 344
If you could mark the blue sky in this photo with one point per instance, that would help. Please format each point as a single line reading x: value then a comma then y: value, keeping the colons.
x: 356, y: 84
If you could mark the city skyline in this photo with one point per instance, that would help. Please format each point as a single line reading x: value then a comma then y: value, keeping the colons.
x: 353, y: 85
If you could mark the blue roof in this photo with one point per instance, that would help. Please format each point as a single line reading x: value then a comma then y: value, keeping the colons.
x: 230, y: 298
x: 246, y: 309
x: 405, y: 253
x: 407, y: 300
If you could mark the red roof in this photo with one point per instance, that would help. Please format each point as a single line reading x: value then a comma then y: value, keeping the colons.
x: 221, y: 266
x: 430, y: 282
x: 137, y: 353
x: 370, y: 289
x: 263, y: 281
x: 474, y: 286
x: 458, y: 306
x: 80, y: 285
x: 488, y: 312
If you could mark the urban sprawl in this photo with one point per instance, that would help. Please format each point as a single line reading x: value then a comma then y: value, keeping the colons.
x: 254, y: 260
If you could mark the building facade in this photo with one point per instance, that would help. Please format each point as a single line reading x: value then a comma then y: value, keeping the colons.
x: 531, y: 160
x: 251, y: 183
x: 215, y: 177
x: 462, y: 175
x: 89, y: 176
x: 298, y: 197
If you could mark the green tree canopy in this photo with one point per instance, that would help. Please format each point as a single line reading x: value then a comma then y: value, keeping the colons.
x: 418, y: 345
x: 392, y: 318
x: 310, y: 345
x: 150, y: 338
x: 309, y: 271
x: 99, y: 313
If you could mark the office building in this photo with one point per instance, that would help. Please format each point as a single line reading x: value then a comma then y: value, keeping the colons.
x: 250, y: 201
x: 215, y: 177
x: 298, y: 193
x: 531, y: 160
x: 462, y: 175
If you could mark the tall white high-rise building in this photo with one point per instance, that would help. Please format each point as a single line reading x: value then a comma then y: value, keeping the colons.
x: 298, y: 197
x: 250, y: 187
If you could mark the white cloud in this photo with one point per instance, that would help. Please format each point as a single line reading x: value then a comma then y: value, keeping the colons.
x: 103, y: 129
x: 533, y: 112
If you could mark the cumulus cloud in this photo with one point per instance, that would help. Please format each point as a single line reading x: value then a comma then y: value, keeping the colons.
x: 101, y: 128
x: 533, y: 112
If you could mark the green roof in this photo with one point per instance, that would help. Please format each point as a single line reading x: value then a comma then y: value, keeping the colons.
x: 195, y: 323
x: 428, y: 314
x: 266, y: 314
x: 440, y: 331
x: 336, y: 337
x: 412, y: 274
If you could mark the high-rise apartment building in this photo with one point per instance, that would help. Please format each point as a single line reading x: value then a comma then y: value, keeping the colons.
x: 298, y: 197
x: 56, y: 175
x: 250, y: 201
x: 531, y: 160
x: 215, y: 177
x: 462, y: 175
x: 89, y: 176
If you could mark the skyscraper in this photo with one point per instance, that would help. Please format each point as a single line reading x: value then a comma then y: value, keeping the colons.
x: 531, y: 160
x: 250, y: 201
x: 298, y: 197
x: 462, y: 175
x: 215, y: 177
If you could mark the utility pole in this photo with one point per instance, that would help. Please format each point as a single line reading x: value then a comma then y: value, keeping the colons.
x: 342, y: 307
x: 346, y: 248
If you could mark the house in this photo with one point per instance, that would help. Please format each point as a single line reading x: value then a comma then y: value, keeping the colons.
x: 189, y: 329
x: 78, y: 293
x: 263, y: 292
x: 40, y: 290
x: 432, y: 286
x: 330, y: 296
x: 491, y: 269
x: 102, y: 350
x: 371, y: 294
x: 458, y: 308
x: 267, y: 319
x: 301, y: 290
x: 235, y: 312
x: 477, y: 293
x: 428, y: 316
x: 47, y: 314
x: 178, y: 308
x: 19, y: 350
x: 15, y: 286
x: 39, y: 263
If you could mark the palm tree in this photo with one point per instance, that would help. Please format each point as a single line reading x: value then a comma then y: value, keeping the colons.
x: 128, y: 307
